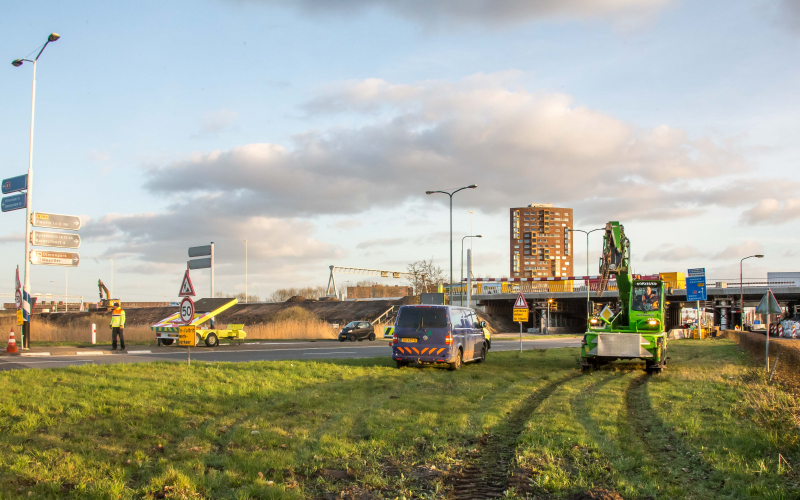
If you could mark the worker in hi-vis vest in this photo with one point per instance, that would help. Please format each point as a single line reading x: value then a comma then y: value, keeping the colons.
x: 117, y: 325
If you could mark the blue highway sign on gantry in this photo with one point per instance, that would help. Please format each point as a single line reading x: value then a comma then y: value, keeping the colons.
x: 14, y: 184
x: 14, y: 202
x: 696, y: 285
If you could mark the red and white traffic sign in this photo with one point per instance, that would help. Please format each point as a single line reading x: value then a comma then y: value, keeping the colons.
x: 187, y: 289
x: 17, y: 284
x: 18, y: 299
x: 520, y: 303
x: 187, y: 310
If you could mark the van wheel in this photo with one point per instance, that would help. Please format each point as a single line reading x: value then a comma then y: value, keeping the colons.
x: 371, y: 337
x: 402, y: 364
x: 166, y: 341
x: 212, y: 340
x: 482, y: 357
x: 455, y: 365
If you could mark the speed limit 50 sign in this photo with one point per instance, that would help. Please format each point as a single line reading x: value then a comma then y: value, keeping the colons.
x: 187, y: 310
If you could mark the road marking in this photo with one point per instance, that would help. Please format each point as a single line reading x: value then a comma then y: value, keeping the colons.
x: 92, y: 353
x: 326, y: 353
x: 35, y: 354
x: 139, y: 352
x: 49, y: 361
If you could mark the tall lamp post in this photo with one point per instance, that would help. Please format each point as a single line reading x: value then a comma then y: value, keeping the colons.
x: 245, y: 272
x: 587, y: 233
x: 26, y: 290
x: 462, y: 261
x: 450, y: 194
x: 741, y: 291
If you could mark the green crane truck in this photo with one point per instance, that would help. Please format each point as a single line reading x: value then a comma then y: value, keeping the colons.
x: 636, y: 331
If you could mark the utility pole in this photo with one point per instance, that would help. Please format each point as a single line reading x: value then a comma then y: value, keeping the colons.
x: 245, y: 272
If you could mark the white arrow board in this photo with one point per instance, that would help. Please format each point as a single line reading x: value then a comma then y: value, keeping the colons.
x: 46, y: 258
x: 56, y: 221
x: 57, y: 240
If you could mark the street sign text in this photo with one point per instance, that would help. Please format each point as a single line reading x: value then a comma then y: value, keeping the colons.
x: 14, y: 202
x: 46, y: 258
x: 58, y: 240
x: 56, y: 221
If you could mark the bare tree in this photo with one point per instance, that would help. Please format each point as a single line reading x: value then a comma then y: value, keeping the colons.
x: 427, y: 276
x: 284, y: 294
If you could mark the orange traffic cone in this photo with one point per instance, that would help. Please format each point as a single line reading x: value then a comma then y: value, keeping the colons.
x: 12, y: 343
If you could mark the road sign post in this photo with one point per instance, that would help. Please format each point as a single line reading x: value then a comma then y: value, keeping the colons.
x: 767, y: 306
x: 520, y: 315
x: 14, y: 202
x: 186, y: 337
x: 14, y: 184
x: 696, y: 291
x: 56, y: 221
x: 47, y: 258
x: 203, y: 251
x: 56, y: 240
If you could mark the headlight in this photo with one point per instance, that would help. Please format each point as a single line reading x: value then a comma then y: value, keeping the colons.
x: 593, y: 321
x: 652, y: 322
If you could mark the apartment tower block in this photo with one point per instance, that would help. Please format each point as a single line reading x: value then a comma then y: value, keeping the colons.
x: 541, y: 243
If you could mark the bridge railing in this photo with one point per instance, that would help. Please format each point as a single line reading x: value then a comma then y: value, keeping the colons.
x: 489, y: 286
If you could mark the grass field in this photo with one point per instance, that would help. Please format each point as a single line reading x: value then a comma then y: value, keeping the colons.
x: 706, y: 428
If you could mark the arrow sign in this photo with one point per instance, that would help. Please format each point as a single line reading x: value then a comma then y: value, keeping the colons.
x: 520, y: 303
x: 187, y: 290
x: 14, y: 184
x: 14, y: 202
x: 58, y: 240
x: 56, y: 221
x: 200, y: 251
x: 768, y: 304
x: 42, y: 257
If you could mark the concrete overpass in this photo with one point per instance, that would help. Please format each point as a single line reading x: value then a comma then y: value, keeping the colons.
x: 567, y: 311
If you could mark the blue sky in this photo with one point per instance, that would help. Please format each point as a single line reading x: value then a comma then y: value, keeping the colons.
x: 313, y: 129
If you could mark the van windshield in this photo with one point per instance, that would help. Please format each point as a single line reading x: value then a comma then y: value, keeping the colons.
x: 422, y: 317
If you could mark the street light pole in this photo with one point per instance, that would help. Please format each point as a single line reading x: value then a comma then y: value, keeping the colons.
x: 462, y: 260
x: 471, y: 186
x: 587, y: 233
x: 741, y: 291
x: 26, y: 289
x: 245, y: 272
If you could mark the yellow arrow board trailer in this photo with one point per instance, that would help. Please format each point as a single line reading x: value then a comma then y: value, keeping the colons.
x: 168, y: 330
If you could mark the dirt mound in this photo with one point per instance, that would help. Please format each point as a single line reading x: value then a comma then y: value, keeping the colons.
x: 296, y: 298
x: 597, y: 494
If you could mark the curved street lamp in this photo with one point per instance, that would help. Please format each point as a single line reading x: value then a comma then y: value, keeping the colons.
x: 26, y: 289
x: 741, y: 291
x: 450, y: 194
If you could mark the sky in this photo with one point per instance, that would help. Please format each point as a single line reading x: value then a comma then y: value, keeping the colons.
x: 313, y: 128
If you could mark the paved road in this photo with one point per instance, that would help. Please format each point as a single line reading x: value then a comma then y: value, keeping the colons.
x: 271, y: 351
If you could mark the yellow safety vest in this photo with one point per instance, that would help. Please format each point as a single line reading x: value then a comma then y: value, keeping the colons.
x: 118, y: 318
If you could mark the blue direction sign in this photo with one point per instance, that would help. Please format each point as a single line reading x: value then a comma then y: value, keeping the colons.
x: 696, y: 285
x: 14, y: 202
x: 14, y: 184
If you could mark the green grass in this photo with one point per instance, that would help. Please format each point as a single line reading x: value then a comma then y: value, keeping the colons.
x: 317, y: 429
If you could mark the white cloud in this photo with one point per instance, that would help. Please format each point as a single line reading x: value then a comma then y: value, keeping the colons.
x: 670, y: 253
x: 154, y: 240
x: 516, y: 145
x: 740, y: 250
x: 481, y: 12
x: 215, y: 122
x: 773, y: 211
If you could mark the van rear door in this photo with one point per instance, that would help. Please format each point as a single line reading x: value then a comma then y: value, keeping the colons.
x: 422, y: 325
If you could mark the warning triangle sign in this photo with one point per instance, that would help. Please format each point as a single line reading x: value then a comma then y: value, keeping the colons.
x: 187, y: 290
x: 768, y: 304
x: 520, y: 303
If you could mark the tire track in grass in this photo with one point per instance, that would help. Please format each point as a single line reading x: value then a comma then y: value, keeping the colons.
x: 681, y: 471
x: 485, y: 474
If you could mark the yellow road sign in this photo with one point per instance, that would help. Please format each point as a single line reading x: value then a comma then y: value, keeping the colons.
x: 186, y: 335
x: 19, y: 317
x: 520, y: 315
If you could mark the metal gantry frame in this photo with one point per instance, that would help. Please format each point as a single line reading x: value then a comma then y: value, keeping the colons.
x: 330, y: 291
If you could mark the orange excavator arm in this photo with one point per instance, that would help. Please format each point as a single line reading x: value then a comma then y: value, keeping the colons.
x: 103, y: 288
